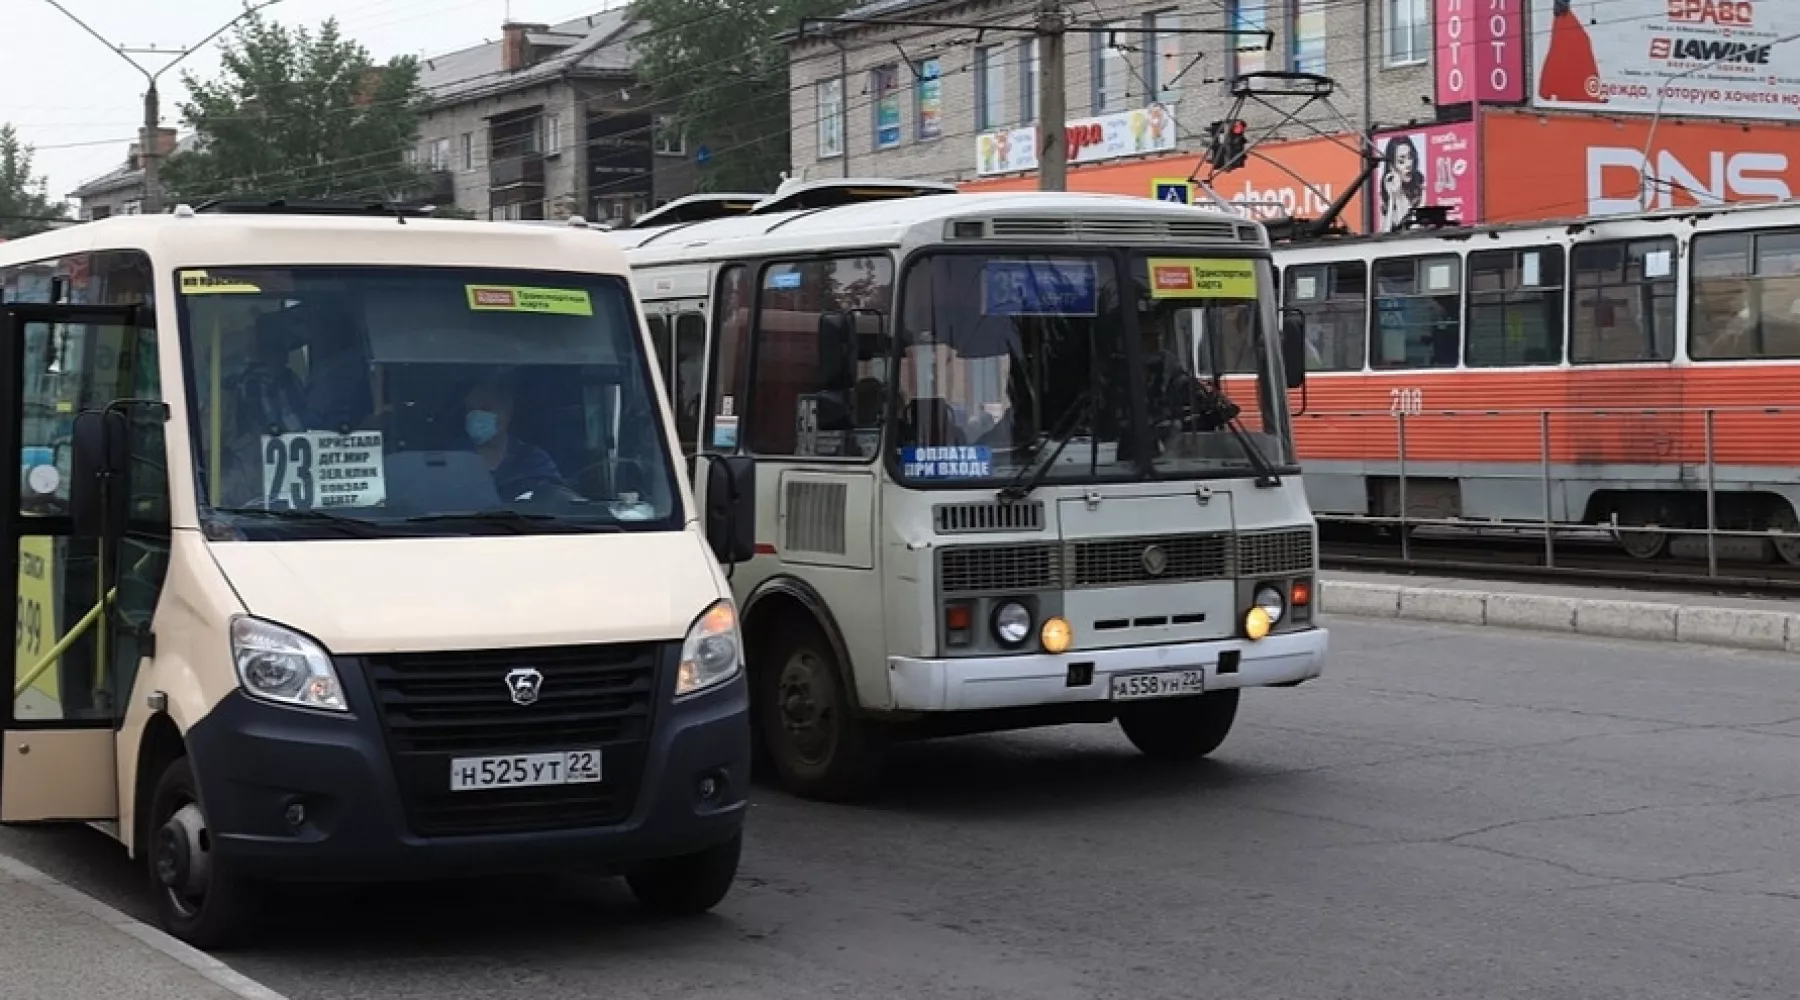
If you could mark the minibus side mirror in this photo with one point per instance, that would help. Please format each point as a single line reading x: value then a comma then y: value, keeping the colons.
x: 731, y: 507
x: 1293, y: 346
x: 837, y: 350
x: 99, y: 490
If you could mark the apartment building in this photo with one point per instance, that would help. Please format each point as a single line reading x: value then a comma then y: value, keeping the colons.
x: 959, y: 103
x: 549, y: 121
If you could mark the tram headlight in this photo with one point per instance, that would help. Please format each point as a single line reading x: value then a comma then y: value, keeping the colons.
x: 277, y: 664
x: 711, y: 654
x: 1012, y: 623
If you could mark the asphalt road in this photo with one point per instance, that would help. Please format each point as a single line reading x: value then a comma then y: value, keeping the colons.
x: 1450, y: 812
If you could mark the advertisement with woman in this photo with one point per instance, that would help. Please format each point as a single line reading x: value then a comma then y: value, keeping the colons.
x: 1423, y: 167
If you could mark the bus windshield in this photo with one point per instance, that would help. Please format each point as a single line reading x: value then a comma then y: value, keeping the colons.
x: 1008, y: 359
x: 376, y: 401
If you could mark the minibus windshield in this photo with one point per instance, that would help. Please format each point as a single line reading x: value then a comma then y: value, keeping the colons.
x: 1018, y: 367
x: 392, y: 401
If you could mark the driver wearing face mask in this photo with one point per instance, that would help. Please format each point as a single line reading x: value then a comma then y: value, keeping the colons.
x: 517, y: 466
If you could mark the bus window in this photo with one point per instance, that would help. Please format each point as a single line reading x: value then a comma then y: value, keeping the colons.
x: 685, y: 368
x: 1515, y: 308
x: 1623, y: 306
x: 1418, y: 312
x: 1335, y: 300
x: 730, y: 362
x: 793, y: 412
x: 1746, y: 301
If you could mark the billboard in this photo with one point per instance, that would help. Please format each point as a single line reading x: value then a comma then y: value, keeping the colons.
x: 1713, y: 58
x: 1547, y: 166
x: 1435, y: 165
x: 1479, y: 50
x: 1279, y: 179
x: 1090, y: 140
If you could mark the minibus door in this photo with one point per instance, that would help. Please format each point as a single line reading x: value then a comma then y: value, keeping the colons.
x: 60, y: 723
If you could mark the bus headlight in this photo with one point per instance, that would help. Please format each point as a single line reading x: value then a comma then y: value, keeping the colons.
x: 1272, y: 602
x: 710, y: 655
x: 1012, y: 623
x: 279, y: 665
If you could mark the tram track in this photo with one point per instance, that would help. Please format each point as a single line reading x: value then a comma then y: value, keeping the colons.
x: 1577, y: 563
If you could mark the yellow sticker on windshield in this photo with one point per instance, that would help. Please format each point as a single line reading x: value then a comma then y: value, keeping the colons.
x: 512, y: 298
x: 201, y: 283
x: 1189, y: 278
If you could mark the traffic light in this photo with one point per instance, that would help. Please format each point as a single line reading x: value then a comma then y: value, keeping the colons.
x: 1228, y: 143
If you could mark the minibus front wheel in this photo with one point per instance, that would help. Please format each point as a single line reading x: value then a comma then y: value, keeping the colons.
x: 197, y: 901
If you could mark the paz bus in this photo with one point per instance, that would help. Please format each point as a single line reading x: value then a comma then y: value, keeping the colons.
x: 1021, y: 460
x: 355, y: 545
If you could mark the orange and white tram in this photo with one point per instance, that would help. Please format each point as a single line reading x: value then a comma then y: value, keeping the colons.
x: 1604, y: 371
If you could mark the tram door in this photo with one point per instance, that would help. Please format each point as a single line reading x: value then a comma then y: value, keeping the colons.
x: 75, y: 655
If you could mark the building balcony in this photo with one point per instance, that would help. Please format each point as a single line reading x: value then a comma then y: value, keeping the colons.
x: 516, y: 171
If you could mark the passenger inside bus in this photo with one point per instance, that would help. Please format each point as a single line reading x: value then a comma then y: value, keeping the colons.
x: 519, y: 467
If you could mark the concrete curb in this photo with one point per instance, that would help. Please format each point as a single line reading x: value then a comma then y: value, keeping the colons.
x: 204, y: 965
x: 1734, y: 628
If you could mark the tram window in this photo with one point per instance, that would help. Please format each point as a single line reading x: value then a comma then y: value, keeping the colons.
x: 1335, y: 300
x: 1623, y: 306
x: 731, y: 360
x: 1746, y: 296
x: 793, y: 412
x: 1418, y: 312
x: 1515, y: 308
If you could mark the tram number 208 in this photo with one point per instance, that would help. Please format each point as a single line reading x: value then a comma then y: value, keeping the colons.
x: 1410, y: 402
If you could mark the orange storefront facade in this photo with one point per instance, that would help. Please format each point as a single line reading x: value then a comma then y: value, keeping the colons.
x: 1299, y: 178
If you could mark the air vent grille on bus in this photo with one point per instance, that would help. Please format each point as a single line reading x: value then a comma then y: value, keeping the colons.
x: 1117, y: 230
x: 972, y: 518
x: 1275, y: 553
x: 815, y: 517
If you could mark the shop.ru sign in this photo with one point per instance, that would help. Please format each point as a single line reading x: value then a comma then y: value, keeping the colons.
x: 1137, y: 132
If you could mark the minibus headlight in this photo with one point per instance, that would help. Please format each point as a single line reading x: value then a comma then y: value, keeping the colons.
x: 711, y: 653
x: 282, y: 666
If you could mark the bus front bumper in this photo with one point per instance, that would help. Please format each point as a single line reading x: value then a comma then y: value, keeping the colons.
x: 253, y: 762
x: 992, y: 682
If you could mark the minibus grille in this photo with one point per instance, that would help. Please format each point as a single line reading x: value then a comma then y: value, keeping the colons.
x: 1112, y: 562
x: 973, y: 570
x: 439, y: 706
x: 1275, y: 553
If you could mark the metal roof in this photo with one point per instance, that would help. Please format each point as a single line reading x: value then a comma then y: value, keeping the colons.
x: 597, y: 43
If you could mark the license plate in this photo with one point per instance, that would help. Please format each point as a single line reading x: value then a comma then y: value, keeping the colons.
x: 564, y: 767
x: 1163, y: 684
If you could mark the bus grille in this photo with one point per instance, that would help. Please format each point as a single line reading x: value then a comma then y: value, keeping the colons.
x: 969, y: 570
x: 438, y: 706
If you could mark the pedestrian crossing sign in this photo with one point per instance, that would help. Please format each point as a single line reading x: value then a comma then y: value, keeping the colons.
x: 1178, y: 190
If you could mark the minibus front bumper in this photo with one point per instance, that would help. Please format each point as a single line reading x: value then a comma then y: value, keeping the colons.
x: 1082, y: 676
x: 295, y: 795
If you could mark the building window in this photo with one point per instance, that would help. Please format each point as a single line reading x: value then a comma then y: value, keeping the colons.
x: 132, y: 207
x: 930, y: 99
x: 1109, y: 68
x: 1408, y: 32
x: 1247, y: 50
x: 831, y: 118
x: 884, y: 88
x: 552, y: 134
x: 468, y: 151
x: 990, y: 88
x: 1028, y: 81
x: 437, y: 154
x: 670, y: 139
x: 1162, y: 55
x: 1306, y: 35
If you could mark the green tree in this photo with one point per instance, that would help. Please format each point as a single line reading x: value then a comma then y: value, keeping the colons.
x: 724, y: 71
x: 299, y: 114
x: 25, y: 203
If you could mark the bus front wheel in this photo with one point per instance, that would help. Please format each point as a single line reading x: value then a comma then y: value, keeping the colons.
x: 1180, y: 728
x: 817, y: 746
x: 688, y: 885
x: 197, y: 901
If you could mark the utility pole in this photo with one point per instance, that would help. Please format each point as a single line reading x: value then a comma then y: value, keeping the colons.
x: 149, y: 151
x: 1053, y: 97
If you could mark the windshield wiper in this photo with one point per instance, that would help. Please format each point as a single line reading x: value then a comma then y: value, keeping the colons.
x: 356, y: 527
x: 1032, y: 475
x: 520, y: 521
x: 1266, y: 476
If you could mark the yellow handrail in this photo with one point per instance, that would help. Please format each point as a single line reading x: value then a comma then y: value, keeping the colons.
x: 62, y: 645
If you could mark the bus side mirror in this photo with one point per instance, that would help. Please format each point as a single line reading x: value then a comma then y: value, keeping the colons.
x: 731, y: 507
x: 1293, y: 346
x: 837, y: 350
x: 99, y: 490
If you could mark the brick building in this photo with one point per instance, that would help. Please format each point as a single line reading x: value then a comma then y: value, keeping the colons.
x: 548, y: 122
x: 120, y: 191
